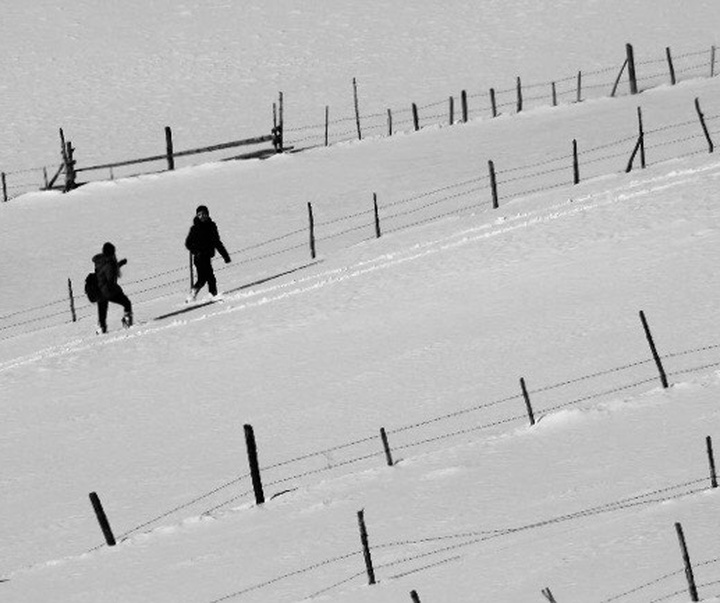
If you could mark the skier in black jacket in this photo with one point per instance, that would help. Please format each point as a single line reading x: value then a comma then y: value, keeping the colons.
x: 202, y: 241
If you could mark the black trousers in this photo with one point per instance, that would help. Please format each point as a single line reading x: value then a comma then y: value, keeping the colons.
x: 205, y: 273
x: 118, y: 298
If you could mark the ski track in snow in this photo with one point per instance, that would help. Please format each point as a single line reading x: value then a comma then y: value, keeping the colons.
x: 417, y: 251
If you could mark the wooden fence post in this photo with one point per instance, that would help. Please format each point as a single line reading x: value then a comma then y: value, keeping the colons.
x: 357, y: 109
x: 617, y: 79
x: 711, y: 146
x: 711, y: 462
x: 366, y: 547
x: 4, y: 187
x: 281, y: 123
x: 312, y: 231
x: 70, y: 175
x: 45, y: 178
x: 576, y: 163
x: 327, y: 123
x: 386, y: 447
x: 547, y: 593
x: 528, y: 406
x: 493, y: 105
x: 377, y: 217
x: 72, y: 301
x: 414, y: 596
x: 389, y: 120
x: 102, y: 519
x: 641, y: 134
x: 632, y: 74
x: 464, y: 104
x: 653, y: 349
x: 579, y: 86
x: 671, y: 67
x: 692, y: 588
x: 712, y: 61
x: 416, y: 118
x: 519, y: 95
x: 451, y: 118
x: 254, y: 465
x: 169, y: 149
x: 554, y: 95
x: 493, y: 184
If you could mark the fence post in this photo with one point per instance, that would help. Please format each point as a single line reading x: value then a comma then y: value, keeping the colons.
x: 641, y: 132
x: 493, y: 184
x: 366, y: 547
x: 281, y: 123
x: 576, y: 163
x: 312, y: 231
x: 712, y: 61
x: 547, y: 593
x: 492, y: 102
x: 102, y: 519
x: 617, y: 79
x: 45, y: 178
x: 464, y: 104
x: 72, y: 301
x: 554, y: 95
x: 632, y: 74
x: 692, y: 588
x: 670, y: 65
x: 327, y: 123
x: 711, y: 461
x: 389, y: 120
x: 254, y: 465
x: 386, y: 447
x: 69, y: 167
x: 414, y: 596
x: 531, y: 415
x: 711, y: 146
x: 653, y: 349
x: 377, y: 217
x: 357, y: 109
x: 579, y: 86
x: 4, y: 187
x: 452, y: 110
x: 519, y: 95
x: 416, y: 118
x: 169, y: 148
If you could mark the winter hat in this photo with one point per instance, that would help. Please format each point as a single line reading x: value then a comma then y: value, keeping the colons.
x: 202, y: 208
x: 108, y: 249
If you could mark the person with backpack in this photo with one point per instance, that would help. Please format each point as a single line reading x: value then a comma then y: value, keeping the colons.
x: 202, y: 241
x: 107, y: 271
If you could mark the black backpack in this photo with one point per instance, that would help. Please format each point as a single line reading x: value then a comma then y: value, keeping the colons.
x: 92, y: 289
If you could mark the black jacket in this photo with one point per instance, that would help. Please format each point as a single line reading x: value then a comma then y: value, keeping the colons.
x: 107, y: 269
x: 204, y: 239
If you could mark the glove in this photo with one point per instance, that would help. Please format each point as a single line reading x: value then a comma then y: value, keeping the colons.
x: 122, y: 262
x: 228, y: 260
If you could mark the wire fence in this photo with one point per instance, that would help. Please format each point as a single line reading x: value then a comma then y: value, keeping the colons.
x: 459, y: 427
x: 681, y: 139
x: 584, y: 85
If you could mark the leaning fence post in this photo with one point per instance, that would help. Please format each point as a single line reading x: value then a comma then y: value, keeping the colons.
x: 72, y: 301
x: 617, y: 79
x: 357, y: 109
x: 366, y: 547
x: 464, y: 104
x: 653, y: 349
x: 414, y: 596
x: 641, y: 133
x: 547, y: 593
x: 671, y: 67
x: 493, y: 184
x: 102, y: 519
x: 526, y: 397
x: 711, y: 461
x: 632, y: 75
x: 576, y: 164
x: 254, y: 465
x: 386, y: 447
x: 4, y: 187
x: 416, y: 119
x: 711, y: 146
x: 377, y: 217
x: 169, y: 148
x: 312, y: 231
x: 692, y: 588
x: 519, y: 95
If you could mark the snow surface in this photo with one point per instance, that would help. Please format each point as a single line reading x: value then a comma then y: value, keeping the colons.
x: 425, y: 332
